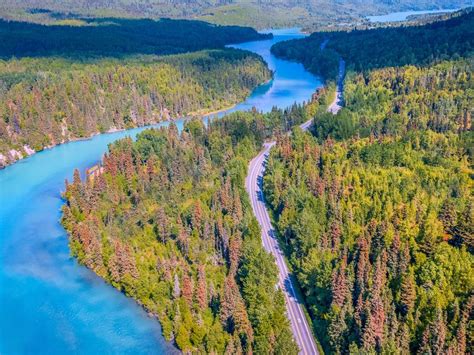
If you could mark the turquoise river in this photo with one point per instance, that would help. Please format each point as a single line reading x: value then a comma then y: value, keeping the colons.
x: 48, y: 303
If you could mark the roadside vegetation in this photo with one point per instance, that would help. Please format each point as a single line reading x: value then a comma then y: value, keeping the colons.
x: 167, y: 221
x: 376, y: 205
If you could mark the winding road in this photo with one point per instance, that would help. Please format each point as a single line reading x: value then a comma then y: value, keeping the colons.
x: 300, y: 327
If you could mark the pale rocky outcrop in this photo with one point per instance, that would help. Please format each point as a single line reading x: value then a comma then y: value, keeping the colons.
x: 15, y: 154
x: 3, y: 160
x: 28, y: 149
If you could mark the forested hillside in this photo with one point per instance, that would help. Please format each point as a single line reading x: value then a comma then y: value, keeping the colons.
x: 395, y: 101
x: 257, y: 13
x: 73, y: 82
x: 117, y: 37
x: 384, y: 47
x: 167, y: 221
x: 48, y: 101
x: 376, y: 206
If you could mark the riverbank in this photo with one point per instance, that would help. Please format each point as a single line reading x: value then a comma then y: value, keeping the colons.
x: 227, y: 108
x: 16, y: 155
x: 42, y: 284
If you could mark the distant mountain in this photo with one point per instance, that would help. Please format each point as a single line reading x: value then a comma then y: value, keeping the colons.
x: 257, y: 13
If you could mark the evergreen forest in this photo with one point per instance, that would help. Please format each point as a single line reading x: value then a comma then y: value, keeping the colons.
x: 375, y: 206
x: 167, y: 220
x: 61, y: 83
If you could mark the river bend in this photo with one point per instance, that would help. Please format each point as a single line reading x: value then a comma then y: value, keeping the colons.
x: 49, y: 303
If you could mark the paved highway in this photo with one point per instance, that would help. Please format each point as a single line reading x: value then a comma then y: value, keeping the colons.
x: 294, y: 305
x: 301, y: 329
x: 338, y: 101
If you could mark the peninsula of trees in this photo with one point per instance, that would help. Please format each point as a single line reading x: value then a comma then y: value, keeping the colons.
x: 166, y: 219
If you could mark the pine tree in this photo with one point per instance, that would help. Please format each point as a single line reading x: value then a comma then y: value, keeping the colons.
x: 176, y: 287
x: 425, y: 348
x: 404, y: 259
x: 408, y: 293
x: 197, y: 216
x: 183, y: 241
x: 461, y: 334
x: 242, y: 324
x: 228, y: 302
x: 151, y: 167
x: 76, y: 180
x: 201, y: 292
x: 358, y: 317
x: 235, y: 246
x: 448, y: 215
x: 461, y: 338
x: 362, y: 266
x: 339, y: 283
x: 225, y: 196
x: 403, y: 337
x: 439, y: 334
x: 464, y: 230
x: 335, y: 233
x: 393, y: 255
x: 187, y: 290
x: 162, y: 222
x: 237, y: 213
x: 377, y: 306
x: 126, y: 260
x: 230, y: 348
x: 113, y: 265
x: 337, y: 330
x: 94, y: 255
x: 368, y: 335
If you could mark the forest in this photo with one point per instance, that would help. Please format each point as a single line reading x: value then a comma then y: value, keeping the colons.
x: 379, y: 240
x: 47, y: 101
x: 166, y: 220
x: 364, y: 50
x: 117, y: 37
x: 256, y: 13
x: 375, y: 206
x: 60, y: 83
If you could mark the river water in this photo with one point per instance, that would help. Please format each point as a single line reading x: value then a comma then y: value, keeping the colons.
x: 48, y: 303
x: 403, y: 15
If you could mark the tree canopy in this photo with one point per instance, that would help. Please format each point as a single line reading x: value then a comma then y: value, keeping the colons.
x: 114, y: 37
x: 375, y: 206
x: 47, y: 101
x: 383, y: 47
x: 166, y: 219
